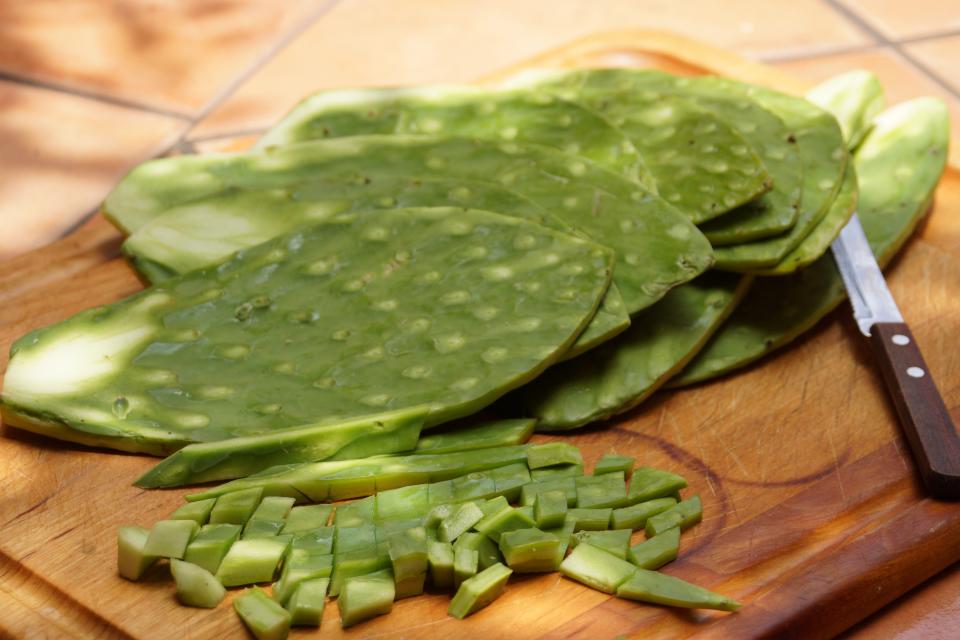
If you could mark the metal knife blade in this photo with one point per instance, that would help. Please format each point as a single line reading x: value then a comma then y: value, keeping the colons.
x: 869, y: 295
x: 933, y: 439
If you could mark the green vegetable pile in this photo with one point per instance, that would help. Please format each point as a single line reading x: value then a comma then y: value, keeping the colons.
x: 461, y: 521
x: 388, y: 261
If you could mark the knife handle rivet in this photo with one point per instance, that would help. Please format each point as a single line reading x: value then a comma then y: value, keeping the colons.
x: 900, y: 339
x: 915, y: 372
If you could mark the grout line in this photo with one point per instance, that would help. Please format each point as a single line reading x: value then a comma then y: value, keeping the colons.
x: 819, y: 52
x: 855, y: 18
x: 933, y: 35
x: 281, y: 43
x: 93, y: 95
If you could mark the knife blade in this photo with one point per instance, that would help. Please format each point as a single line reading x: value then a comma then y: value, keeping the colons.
x: 933, y: 439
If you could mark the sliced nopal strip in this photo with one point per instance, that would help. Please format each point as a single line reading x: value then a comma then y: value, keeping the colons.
x: 620, y: 374
x: 359, y: 314
x: 462, y: 111
x: 898, y: 166
x: 656, y: 247
x: 699, y: 163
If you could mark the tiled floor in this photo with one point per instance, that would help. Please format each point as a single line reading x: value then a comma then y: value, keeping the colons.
x: 90, y: 88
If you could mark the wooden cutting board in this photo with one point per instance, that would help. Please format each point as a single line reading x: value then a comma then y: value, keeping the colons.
x: 812, y: 516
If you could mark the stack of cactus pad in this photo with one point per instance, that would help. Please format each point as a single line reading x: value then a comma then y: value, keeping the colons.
x: 385, y: 261
x: 530, y: 509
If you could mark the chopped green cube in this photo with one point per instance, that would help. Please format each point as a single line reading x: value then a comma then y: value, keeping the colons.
x: 169, y: 538
x: 636, y: 516
x: 440, y: 561
x: 466, y: 515
x: 404, y: 502
x: 357, y: 563
x: 611, y: 463
x: 211, y: 544
x: 437, y: 514
x: 440, y: 493
x: 550, y: 509
x: 528, y: 494
x: 410, y: 586
x: 465, y: 564
x: 261, y: 529
x: 590, y: 519
x: 196, y: 587
x: 356, y: 513
x: 558, y: 471
x: 648, y: 483
x: 684, y: 515
x: 252, y: 561
x: 596, y: 492
x: 353, y: 538
x: 596, y: 568
x: 408, y: 553
x: 530, y: 550
x: 486, y: 548
x: 552, y: 453
x: 319, y: 541
x: 615, y: 541
x: 502, y: 519
x: 307, y: 518
x: 565, y: 535
x: 473, y: 486
x: 301, y: 565
x: 366, y: 596
x: 307, y: 603
x: 657, y: 551
x: 132, y: 562
x: 659, y: 588
x: 508, y: 481
x: 198, y: 511
x: 477, y: 592
x: 265, y: 619
x: 269, y: 517
x: 236, y: 507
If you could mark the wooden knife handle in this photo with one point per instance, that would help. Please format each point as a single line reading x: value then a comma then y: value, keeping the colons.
x: 926, y: 422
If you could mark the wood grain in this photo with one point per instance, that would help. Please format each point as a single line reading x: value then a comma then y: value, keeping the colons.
x: 812, y: 516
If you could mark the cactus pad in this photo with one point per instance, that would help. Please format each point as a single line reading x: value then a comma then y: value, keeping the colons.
x: 620, y: 374
x: 356, y: 315
x: 656, y: 247
x: 898, y: 165
x: 699, y: 163
x: 466, y: 112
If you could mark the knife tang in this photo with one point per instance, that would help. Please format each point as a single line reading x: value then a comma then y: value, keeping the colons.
x: 933, y: 439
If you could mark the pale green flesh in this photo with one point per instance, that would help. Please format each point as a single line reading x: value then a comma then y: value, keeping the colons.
x: 619, y: 375
x: 196, y: 587
x: 264, y: 618
x: 235, y: 350
x: 855, y: 98
x: 496, y: 433
x: 769, y: 214
x: 479, y: 591
x: 460, y: 111
x: 657, y: 248
x: 898, y: 166
x: 659, y: 588
x: 818, y: 241
x: 699, y: 163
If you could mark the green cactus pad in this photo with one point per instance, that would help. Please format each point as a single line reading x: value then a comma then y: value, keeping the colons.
x: 656, y: 247
x: 700, y: 163
x: 362, y: 313
x: 898, y: 165
x: 466, y: 112
x: 855, y: 98
x: 824, y: 157
x: 619, y: 375
x: 818, y: 241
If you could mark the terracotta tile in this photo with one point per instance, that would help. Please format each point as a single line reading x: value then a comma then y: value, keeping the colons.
x: 897, y: 19
x: 172, y: 55
x: 60, y: 155
x: 941, y: 56
x: 901, y: 80
x: 382, y: 42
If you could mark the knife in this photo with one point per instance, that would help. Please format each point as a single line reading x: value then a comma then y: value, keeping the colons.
x: 930, y: 432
